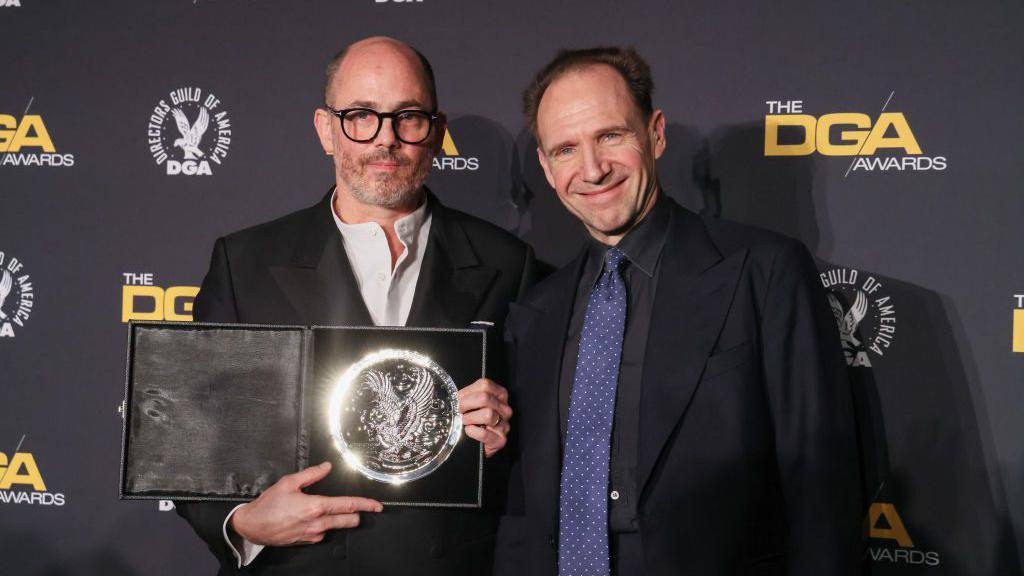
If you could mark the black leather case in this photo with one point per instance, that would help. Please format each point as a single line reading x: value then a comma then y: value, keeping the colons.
x: 222, y: 411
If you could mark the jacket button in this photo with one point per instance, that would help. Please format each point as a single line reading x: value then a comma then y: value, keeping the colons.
x: 339, y: 552
x: 552, y: 542
x: 437, y: 551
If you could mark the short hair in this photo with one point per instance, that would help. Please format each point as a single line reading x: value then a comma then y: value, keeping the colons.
x: 428, y: 72
x: 626, y: 61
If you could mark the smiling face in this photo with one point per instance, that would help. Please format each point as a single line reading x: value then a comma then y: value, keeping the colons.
x: 597, y: 150
x: 385, y: 76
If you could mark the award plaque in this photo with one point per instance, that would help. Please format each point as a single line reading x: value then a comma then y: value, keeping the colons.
x: 222, y: 411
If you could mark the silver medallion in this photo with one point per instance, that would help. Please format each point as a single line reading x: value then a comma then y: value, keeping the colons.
x: 394, y: 416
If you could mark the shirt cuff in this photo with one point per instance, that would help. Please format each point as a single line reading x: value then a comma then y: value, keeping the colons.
x: 249, y: 549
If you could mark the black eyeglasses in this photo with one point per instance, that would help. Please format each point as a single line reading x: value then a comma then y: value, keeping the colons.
x: 363, y: 124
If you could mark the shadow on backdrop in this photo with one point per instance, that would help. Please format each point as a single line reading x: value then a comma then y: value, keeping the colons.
x: 555, y: 234
x: 676, y: 167
x: 468, y: 174
x: 917, y: 392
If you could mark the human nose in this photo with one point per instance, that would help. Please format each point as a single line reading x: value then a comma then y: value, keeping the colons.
x: 386, y: 136
x: 595, y: 168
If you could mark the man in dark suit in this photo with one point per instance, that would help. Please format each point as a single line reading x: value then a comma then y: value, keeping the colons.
x: 378, y: 249
x: 681, y: 399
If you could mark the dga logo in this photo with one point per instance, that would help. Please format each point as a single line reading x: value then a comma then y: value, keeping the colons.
x: 451, y: 159
x: 884, y: 524
x: 189, y: 132
x: 881, y: 144
x: 25, y: 141
x: 21, y: 482
x: 865, y: 316
x: 16, y: 295
x: 10, y: 4
x: 1018, y: 324
x: 141, y: 300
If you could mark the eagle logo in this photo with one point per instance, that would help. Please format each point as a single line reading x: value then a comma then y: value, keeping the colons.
x: 394, y: 415
x: 398, y: 422
x: 191, y: 134
x: 6, y: 283
x: 848, y: 321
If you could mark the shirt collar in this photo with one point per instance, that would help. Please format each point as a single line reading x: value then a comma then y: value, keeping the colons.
x: 643, y: 244
x: 407, y: 227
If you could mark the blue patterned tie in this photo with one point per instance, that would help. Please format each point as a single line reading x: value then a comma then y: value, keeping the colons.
x: 583, y: 507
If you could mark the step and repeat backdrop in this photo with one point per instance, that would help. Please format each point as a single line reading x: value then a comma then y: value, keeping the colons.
x: 884, y: 135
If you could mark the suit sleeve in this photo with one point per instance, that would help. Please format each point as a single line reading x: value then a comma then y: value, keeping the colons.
x: 214, y: 303
x: 813, y: 418
x: 501, y: 369
x: 533, y: 271
x: 216, y: 299
x: 510, y: 540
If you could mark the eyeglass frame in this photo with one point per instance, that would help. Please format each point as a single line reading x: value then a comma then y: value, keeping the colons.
x: 381, y: 116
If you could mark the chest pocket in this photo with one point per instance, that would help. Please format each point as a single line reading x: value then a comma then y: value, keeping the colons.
x: 729, y: 359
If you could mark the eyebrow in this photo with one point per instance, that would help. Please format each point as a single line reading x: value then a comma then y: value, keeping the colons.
x: 403, y: 105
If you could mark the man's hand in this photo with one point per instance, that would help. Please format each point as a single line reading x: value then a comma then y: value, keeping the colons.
x: 485, y: 412
x: 284, y: 515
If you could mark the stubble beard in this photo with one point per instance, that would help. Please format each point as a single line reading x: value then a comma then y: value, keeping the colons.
x: 395, y: 190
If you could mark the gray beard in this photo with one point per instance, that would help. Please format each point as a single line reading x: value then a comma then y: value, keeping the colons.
x: 388, y: 194
x: 387, y: 191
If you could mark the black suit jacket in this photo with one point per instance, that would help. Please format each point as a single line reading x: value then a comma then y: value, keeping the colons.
x: 747, y: 458
x: 294, y: 270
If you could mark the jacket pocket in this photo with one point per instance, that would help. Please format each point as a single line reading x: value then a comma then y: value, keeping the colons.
x: 728, y: 359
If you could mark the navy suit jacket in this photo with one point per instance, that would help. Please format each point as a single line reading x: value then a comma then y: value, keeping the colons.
x: 747, y: 455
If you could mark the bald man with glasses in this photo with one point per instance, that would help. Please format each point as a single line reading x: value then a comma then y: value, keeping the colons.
x: 378, y: 249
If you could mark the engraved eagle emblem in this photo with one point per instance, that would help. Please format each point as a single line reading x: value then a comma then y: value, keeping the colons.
x: 191, y: 134
x: 397, y: 421
x: 848, y: 321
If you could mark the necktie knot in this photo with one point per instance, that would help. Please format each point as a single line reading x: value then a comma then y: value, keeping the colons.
x: 613, y: 260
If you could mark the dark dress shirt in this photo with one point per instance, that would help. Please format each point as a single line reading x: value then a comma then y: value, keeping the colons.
x: 642, y: 246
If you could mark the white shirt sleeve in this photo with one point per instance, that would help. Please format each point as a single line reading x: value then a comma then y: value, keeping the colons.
x: 249, y: 549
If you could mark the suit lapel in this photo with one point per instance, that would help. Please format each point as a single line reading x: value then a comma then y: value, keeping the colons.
x: 540, y: 340
x: 319, y: 282
x: 452, y: 282
x: 694, y: 292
